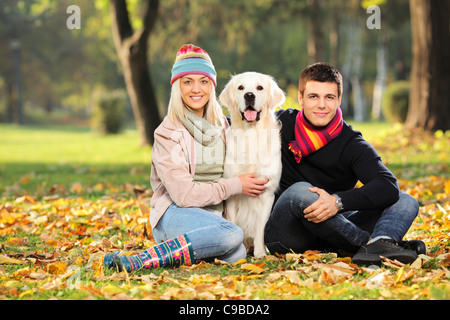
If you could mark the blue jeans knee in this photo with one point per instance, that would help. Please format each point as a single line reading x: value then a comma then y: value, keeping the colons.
x: 299, y: 195
x: 396, y: 219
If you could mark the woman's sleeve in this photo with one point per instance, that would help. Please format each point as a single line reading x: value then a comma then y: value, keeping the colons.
x: 173, y: 168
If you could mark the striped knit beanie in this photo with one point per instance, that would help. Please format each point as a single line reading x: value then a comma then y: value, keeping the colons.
x: 193, y: 60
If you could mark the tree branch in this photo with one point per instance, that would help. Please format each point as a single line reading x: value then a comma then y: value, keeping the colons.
x: 150, y: 16
x: 119, y: 12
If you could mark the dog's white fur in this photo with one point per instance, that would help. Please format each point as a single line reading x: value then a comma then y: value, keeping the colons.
x: 253, y: 147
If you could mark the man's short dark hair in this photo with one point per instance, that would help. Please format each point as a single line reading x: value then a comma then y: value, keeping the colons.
x: 321, y: 72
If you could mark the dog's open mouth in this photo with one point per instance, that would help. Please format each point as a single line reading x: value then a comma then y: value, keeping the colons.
x: 251, y: 114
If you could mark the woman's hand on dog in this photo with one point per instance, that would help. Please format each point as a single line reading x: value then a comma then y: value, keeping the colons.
x: 251, y: 186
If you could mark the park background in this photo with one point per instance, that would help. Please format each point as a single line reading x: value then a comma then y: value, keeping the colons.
x: 83, y: 85
x: 67, y: 57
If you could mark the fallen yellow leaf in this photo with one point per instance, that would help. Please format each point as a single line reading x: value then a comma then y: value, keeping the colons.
x: 78, y: 261
x: 57, y: 268
x: 345, y: 259
x: 7, y: 260
x: 385, y: 293
x: 292, y: 256
x: 404, y: 274
x: 21, y: 272
x: 240, y: 261
x: 254, y: 268
x: 144, y: 209
x: 112, y: 289
x: 24, y: 199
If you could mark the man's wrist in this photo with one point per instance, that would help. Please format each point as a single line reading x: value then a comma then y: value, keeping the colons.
x: 338, y: 203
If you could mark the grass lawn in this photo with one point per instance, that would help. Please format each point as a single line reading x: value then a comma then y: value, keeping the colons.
x: 34, y: 159
x: 68, y: 195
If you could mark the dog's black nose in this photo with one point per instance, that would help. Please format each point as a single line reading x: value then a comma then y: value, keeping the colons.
x: 249, y: 96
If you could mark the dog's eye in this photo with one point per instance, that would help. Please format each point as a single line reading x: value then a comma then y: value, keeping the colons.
x: 241, y: 88
x: 259, y: 88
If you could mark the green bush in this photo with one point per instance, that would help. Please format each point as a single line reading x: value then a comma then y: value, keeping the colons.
x: 108, y: 115
x: 396, y: 101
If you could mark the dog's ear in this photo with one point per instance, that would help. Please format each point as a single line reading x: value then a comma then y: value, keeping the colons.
x: 276, y: 95
x: 226, y: 97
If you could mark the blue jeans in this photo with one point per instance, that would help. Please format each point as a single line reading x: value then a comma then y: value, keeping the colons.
x: 211, y: 236
x: 287, y: 229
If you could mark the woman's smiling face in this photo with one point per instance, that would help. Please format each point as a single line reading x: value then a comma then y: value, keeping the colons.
x: 195, y: 92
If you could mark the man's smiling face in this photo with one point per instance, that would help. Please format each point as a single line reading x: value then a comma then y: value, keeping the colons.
x: 320, y: 101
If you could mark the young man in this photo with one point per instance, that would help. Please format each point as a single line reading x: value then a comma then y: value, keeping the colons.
x: 318, y: 205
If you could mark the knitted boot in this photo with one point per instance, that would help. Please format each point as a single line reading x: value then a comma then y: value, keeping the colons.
x: 171, y: 253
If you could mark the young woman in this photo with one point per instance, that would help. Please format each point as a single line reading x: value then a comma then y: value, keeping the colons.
x: 186, y: 175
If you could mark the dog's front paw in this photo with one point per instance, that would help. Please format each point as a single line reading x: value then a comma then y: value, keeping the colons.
x: 259, y: 254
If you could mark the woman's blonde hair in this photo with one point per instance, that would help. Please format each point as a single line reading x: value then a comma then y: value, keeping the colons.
x: 177, y: 109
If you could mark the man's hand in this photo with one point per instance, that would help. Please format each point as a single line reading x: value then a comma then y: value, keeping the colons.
x: 322, y: 209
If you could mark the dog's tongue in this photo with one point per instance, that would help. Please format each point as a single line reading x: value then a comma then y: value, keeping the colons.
x: 250, y: 115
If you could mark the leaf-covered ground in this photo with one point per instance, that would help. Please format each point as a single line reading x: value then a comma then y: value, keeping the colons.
x: 52, y: 243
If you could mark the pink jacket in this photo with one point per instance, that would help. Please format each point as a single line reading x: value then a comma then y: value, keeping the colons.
x: 172, y: 173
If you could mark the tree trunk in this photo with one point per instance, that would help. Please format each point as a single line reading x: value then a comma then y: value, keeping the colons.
x: 11, y: 104
x: 334, y: 34
x: 380, y: 82
x: 359, y: 101
x: 315, y: 45
x: 429, y: 100
x: 347, y: 69
x: 17, y: 105
x: 131, y: 47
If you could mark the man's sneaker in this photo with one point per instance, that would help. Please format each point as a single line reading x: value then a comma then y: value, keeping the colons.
x: 371, y: 253
x: 418, y: 246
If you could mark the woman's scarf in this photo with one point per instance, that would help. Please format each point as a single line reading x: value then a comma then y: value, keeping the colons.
x: 202, y: 130
x: 209, y: 147
x: 309, y: 138
x: 210, y: 151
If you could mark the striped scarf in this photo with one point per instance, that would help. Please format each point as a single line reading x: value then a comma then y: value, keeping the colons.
x: 309, y: 138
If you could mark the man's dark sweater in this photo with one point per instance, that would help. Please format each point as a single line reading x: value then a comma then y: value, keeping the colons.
x: 338, y: 166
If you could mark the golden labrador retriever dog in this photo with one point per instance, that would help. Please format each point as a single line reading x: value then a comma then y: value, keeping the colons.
x: 253, y: 146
